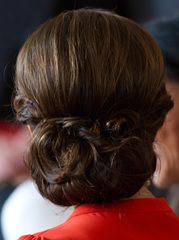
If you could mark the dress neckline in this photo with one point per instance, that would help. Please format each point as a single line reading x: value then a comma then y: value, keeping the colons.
x: 124, y: 206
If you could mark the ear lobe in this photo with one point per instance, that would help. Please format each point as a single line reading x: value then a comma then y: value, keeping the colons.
x: 161, y: 133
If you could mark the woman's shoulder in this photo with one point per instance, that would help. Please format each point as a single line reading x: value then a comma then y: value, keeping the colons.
x: 56, y: 233
x: 108, y: 222
x: 34, y: 237
x: 29, y: 237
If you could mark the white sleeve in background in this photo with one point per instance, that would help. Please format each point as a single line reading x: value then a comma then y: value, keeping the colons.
x: 26, y: 212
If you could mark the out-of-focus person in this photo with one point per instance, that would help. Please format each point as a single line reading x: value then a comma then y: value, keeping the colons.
x: 166, y: 33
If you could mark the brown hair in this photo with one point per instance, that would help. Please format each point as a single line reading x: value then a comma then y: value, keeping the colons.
x: 90, y: 83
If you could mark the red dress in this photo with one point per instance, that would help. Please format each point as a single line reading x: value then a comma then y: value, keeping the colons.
x: 135, y: 219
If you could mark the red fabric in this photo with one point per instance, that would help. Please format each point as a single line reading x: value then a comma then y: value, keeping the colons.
x: 139, y: 219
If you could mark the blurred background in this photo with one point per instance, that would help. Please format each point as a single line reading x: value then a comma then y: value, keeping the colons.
x: 18, y: 19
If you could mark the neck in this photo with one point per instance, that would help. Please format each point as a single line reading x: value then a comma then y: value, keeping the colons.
x: 143, y: 193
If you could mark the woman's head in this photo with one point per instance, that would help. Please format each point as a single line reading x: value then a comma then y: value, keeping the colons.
x: 90, y: 84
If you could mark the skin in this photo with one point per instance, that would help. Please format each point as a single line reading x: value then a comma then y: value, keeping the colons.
x: 167, y: 143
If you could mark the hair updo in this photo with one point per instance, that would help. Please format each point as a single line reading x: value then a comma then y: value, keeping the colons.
x: 90, y: 84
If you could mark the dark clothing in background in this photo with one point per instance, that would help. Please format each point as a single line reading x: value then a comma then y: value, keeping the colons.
x: 5, y: 191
